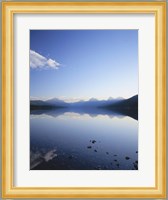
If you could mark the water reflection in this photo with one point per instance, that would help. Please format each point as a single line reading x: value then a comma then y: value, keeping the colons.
x: 86, y: 139
x: 93, y: 112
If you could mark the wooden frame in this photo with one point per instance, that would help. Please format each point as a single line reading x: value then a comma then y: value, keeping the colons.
x: 11, y: 8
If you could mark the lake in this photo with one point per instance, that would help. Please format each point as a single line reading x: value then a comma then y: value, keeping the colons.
x: 65, y: 139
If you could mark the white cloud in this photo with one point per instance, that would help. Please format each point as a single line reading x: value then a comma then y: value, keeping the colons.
x: 38, y: 61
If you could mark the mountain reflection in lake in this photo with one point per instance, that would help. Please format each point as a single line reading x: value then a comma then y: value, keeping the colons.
x: 63, y: 139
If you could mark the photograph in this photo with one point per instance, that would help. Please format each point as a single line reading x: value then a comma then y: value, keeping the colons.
x: 83, y: 99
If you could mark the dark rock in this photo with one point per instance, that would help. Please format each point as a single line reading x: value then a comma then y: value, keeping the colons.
x: 135, y: 166
x: 115, y: 160
x: 115, y: 155
x: 136, y: 162
x: 107, y: 153
x: 127, y: 158
x: 95, y: 150
x: 70, y: 157
x: 136, y: 151
x: 89, y: 147
x: 93, y: 141
x: 117, y: 165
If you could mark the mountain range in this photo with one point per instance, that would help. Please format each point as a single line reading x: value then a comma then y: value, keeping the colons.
x: 110, y: 103
x: 121, y: 106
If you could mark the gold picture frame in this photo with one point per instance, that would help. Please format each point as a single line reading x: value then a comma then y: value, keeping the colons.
x: 9, y: 9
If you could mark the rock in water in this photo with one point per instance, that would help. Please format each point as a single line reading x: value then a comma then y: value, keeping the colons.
x: 70, y: 157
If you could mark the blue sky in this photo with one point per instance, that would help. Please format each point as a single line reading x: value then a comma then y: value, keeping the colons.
x: 81, y: 64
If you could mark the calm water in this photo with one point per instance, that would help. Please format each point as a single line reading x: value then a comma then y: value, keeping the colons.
x: 73, y: 140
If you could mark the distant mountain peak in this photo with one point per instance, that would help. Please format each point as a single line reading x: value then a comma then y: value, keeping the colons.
x: 120, y: 98
x: 81, y: 101
x: 56, y: 101
x: 93, y: 99
x: 53, y: 99
x: 117, y: 98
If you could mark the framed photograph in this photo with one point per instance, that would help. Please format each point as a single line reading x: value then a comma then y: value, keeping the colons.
x: 84, y: 99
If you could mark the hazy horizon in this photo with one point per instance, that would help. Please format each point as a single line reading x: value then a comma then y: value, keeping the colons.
x: 75, y: 99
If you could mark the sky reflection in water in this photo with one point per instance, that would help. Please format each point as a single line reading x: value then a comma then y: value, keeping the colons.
x: 79, y: 141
